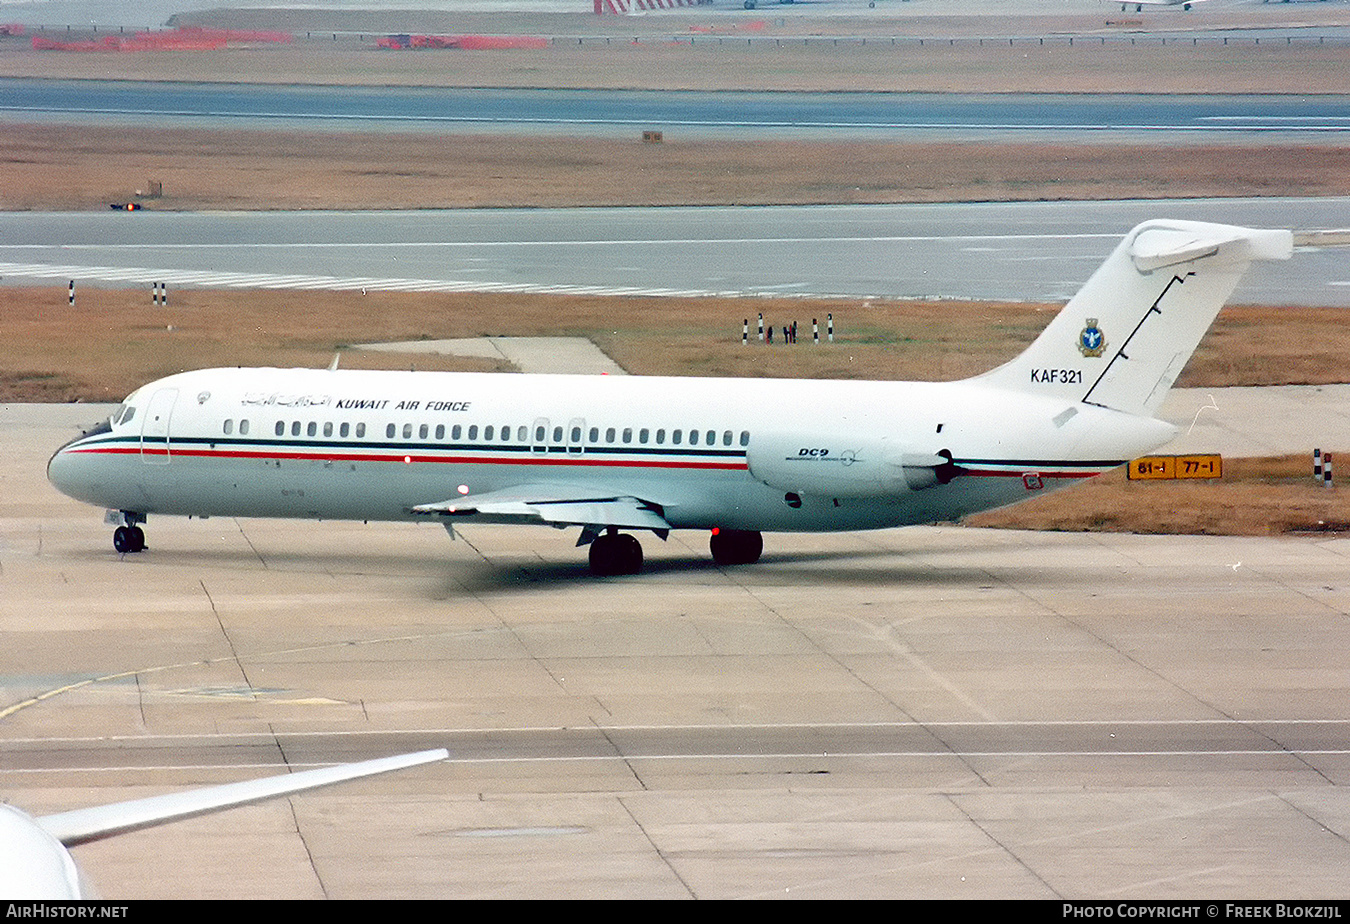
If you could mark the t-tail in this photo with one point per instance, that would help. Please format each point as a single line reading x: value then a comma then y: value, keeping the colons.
x: 1122, y: 341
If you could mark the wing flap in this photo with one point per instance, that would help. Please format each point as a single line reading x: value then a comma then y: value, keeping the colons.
x: 555, y: 505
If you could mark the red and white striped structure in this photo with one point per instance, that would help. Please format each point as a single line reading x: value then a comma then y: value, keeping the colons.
x: 642, y: 6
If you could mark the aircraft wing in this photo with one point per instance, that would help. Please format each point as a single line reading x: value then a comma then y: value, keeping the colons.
x: 84, y: 825
x: 555, y: 505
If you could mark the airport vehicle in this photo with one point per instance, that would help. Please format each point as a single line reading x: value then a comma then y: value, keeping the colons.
x: 616, y: 454
x: 37, y: 864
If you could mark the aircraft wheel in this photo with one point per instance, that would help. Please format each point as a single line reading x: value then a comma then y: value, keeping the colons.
x: 736, y: 546
x: 128, y: 539
x: 616, y: 553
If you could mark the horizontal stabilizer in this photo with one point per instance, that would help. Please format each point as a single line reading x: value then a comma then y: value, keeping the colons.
x: 558, y: 505
x: 84, y: 825
x: 1158, y: 247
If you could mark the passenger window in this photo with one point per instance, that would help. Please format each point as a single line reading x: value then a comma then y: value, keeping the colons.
x: 595, y: 435
x: 407, y: 431
x: 726, y: 437
x: 710, y: 437
x: 327, y: 428
x: 344, y: 430
x: 745, y: 437
x: 693, y: 437
x: 676, y: 437
x: 473, y: 432
x: 243, y: 427
x: 609, y: 435
x: 440, y: 431
x: 295, y: 428
x: 660, y: 436
x: 360, y: 430
x: 538, y: 434
x: 456, y: 431
x: 229, y: 427
x: 557, y: 434
x: 312, y: 429
x: 422, y: 432
x: 487, y: 433
x: 628, y: 434
x: 390, y: 430
x: 281, y: 428
x: 521, y: 434
x: 642, y: 435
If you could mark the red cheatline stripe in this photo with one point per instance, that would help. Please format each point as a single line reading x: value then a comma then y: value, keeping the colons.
x: 738, y: 465
x: 402, y: 457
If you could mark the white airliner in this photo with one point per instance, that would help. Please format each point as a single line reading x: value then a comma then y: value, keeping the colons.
x: 34, y: 861
x: 736, y: 457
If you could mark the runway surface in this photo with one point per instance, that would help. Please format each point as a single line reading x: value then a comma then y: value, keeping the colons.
x: 924, y: 712
x: 1038, y: 251
x: 1166, y: 118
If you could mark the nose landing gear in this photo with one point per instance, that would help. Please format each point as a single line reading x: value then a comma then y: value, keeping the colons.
x: 128, y: 537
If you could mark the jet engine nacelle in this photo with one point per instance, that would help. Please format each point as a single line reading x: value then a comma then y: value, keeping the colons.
x: 836, y: 466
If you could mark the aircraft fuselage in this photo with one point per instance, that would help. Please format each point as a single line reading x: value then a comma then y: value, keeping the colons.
x: 772, y: 455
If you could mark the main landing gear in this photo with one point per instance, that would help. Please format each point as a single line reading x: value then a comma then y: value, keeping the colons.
x: 736, y: 546
x: 128, y: 537
x: 615, y: 553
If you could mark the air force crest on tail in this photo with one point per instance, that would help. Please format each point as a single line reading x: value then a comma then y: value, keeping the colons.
x: 1091, y: 342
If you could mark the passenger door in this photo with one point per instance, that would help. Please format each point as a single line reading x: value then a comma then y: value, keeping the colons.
x: 155, y: 427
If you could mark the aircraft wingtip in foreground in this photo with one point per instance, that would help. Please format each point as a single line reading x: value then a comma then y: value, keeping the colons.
x: 37, y: 865
x: 736, y: 457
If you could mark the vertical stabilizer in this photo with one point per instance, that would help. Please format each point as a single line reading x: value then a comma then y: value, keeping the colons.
x: 1124, y: 338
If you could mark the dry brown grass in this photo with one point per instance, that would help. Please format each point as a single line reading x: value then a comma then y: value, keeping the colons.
x: 80, y: 167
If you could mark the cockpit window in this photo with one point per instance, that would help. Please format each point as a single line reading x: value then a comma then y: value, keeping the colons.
x: 123, y: 414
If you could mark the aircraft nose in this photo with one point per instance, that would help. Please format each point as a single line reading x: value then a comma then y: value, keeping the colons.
x: 68, y: 468
x: 61, y: 468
